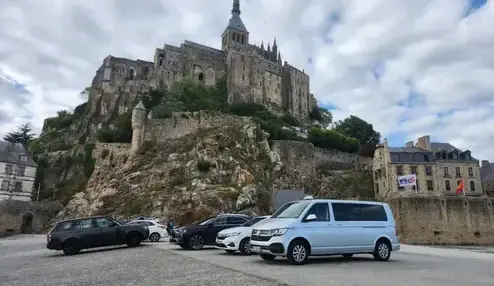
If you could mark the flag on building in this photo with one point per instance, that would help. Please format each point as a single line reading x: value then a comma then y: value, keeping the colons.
x: 407, y: 180
x: 460, y: 188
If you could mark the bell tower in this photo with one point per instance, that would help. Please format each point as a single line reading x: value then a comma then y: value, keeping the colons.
x: 235, y: 35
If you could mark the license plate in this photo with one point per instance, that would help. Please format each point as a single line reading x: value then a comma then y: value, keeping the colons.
x: 256, y: 248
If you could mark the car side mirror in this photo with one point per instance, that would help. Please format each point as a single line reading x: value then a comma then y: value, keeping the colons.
x: 112, y: 224
x: 311, y: 217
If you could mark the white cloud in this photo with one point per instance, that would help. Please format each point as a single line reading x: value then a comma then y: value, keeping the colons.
x: 426, y: 47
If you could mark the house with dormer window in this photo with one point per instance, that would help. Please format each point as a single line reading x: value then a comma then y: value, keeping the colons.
x: 438, y: 169
x: 17, y: 172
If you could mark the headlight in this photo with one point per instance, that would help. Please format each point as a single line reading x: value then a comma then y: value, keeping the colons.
x: 278, y: 231
x: 233, y: 234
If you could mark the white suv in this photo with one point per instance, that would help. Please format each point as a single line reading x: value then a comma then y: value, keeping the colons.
x: 237, y: 238
x: 326, y: 227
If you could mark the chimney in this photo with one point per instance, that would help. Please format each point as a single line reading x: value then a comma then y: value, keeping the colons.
x: 385, y: 143
x: 485, y: 163
x: 409, y: 144
x: 424, y: 142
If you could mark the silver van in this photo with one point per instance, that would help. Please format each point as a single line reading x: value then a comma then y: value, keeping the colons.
x: 313, y: 227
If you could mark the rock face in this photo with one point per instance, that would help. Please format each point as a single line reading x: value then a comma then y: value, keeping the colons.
x: 231, y: 168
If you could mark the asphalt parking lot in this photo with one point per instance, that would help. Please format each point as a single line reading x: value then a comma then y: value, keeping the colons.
x: 25, y: 261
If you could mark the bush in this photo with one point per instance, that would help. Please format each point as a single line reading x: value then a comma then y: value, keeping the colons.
x: 268, y: 121
x: 121, y: 133
x: 203, y: 166
x: 290, y: 120
x: 330, y: 139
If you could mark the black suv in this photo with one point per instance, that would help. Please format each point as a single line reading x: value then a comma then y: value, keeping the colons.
x: 201, y: 233
x: 73, y: 235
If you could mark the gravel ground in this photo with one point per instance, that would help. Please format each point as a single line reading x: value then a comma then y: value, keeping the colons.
x: 25, y: 261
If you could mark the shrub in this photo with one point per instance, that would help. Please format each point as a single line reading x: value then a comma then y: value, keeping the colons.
x: 105, y: 153
x: 330, y: 139
x: 290, y: 120
x: 88, y: 160
x: 121, y: 133
x: 203, y: 166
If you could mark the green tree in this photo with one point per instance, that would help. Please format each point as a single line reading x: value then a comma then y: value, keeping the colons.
x: 322, y: 115
x: 22, y: 135
x: 152, y: 98
x: 85, y: 93
x: 362, y: 131
x: 121, y: 131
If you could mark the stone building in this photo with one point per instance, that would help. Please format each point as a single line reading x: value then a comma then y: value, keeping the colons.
x: 253, y: 74
x: 487, y: 177
x: 17, y: 172
x: 439, y: 167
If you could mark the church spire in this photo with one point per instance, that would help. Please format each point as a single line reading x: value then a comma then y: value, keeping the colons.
x: 236, y: 7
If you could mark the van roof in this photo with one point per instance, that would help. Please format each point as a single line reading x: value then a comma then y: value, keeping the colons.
x: 344, y: 201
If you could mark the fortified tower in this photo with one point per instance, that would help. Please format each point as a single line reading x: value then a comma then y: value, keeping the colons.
x: 138, y: 122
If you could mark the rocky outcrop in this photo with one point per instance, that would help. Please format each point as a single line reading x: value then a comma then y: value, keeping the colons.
x: 230, y: 168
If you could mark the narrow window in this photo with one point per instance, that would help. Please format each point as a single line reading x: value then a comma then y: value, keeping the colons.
x: 472, y: 186
x: 447, y: 185
x: 458, y: 172
x: 428, y: 170
x: 430, y: 185
x: 470, y: 171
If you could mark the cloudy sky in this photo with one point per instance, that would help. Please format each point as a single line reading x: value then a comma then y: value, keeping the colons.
x: 409, y: 67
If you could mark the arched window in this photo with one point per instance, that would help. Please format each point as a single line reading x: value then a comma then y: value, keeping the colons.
x: 243, y: 38
x: 201, y: 77
x: 238, y: 38
x: 132, y: 73
x: 146, y: 73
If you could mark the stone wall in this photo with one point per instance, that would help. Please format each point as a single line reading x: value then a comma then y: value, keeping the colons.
x: 183, y: 123
x: 444, y: 220
x: 305, y: 158
x: 26, y: 217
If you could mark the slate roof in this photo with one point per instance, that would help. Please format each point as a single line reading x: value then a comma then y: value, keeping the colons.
x: 236, y: 23
x: 407, y: 150
x: 487, y: 173
x: 436, y: 147
x: 13, y: 154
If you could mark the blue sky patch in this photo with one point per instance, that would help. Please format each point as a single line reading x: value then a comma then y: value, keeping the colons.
x: 474, y: 5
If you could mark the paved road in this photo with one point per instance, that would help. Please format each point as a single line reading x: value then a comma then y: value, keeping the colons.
x: 24, y: 261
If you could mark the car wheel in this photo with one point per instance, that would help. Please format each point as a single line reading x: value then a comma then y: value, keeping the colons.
x: 268, y: 257
x: 298, y: 252
x: 133, y: 240
x: 347, y: 255
x: 244, y: 246
x: 154, y: 237
x: 382, y: 251
x: 71, y: 248
x: 196, y: 242
x: 229, y: 251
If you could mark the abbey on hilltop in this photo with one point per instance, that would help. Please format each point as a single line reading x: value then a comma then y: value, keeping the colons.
x: 253, y: 74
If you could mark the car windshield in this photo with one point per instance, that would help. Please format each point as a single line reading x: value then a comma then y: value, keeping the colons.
x: 253, y: 221
x: 291, y: 210
x: 203, y: 221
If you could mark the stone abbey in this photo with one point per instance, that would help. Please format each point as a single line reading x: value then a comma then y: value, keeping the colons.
x: 253, y: 74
